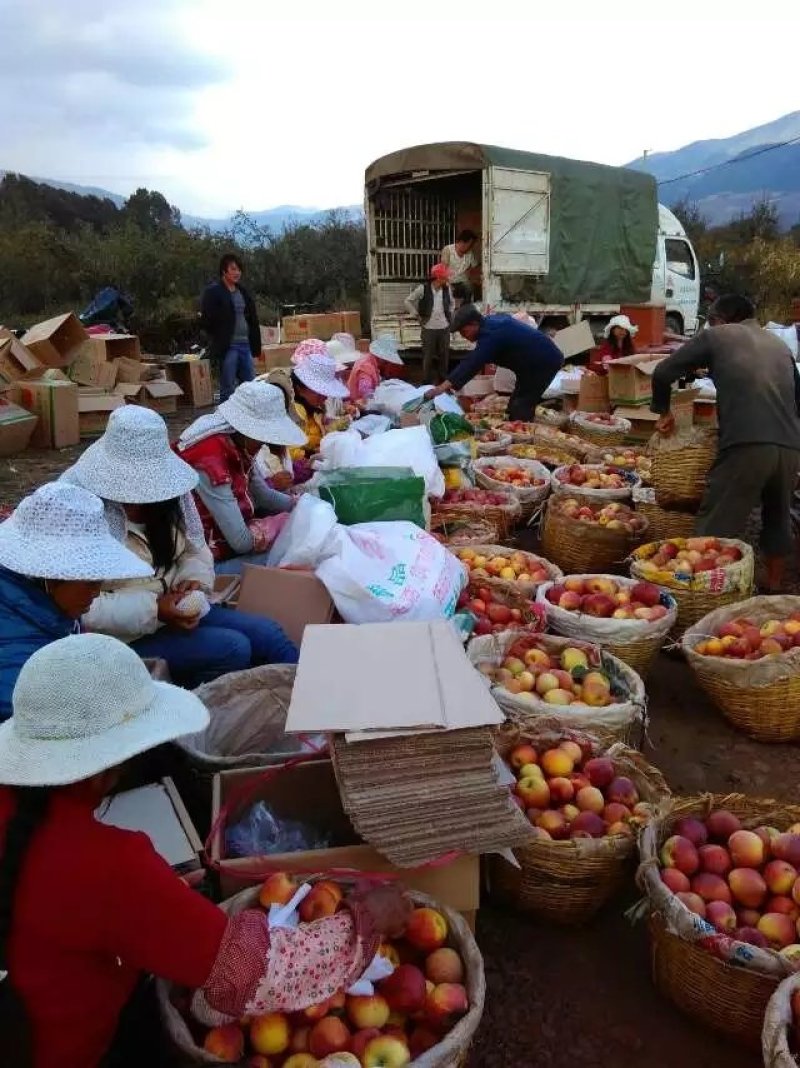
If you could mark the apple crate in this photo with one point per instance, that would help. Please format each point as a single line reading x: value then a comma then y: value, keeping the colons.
x: 451, y: 1052
x: 698, y: 594
x: 779, y: 1021
x: 586, y: 547
x: 635, y: 641
x: 719, y: 981
x: 568, y: 881
x: 759, y: 697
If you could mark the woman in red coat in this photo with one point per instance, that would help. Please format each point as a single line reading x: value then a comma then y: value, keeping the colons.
x: 87, y: 910
x: 619, y: 334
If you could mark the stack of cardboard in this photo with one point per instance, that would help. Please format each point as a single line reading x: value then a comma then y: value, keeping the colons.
x: 405, y: 707
x: 323, y: 326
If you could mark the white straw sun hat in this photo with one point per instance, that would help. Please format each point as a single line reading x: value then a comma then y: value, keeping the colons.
x: 385, y: 348
x: 61, y: 532
x: 258, y: 410
x: 318, y: 372
x: 343, y: 354
x: 624, y: 322
x: 85, y: 704
x: 132, y: 463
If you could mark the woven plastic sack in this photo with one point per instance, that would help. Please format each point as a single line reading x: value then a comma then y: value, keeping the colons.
x: 736, y: 576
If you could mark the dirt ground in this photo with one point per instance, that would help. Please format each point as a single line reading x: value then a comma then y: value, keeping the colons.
x: 584, y: 997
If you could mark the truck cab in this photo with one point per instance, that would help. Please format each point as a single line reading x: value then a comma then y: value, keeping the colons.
x: 676, y: 274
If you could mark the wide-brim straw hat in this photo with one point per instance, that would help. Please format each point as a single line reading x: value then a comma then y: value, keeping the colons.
x: 385, y: 348
x: 318, y: 372
x: 343, y: 354
x: 132, y: 463
x: 624, y: 322
x: 85, y: 704
x: 61, y: 532
x: 258, y: 410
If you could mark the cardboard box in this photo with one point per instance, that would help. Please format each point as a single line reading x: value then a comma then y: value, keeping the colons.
x: 651, y: 320
x: 16, y: 361
x: 682, y: 407
x: 277, y: 356
x: 56, y: 342
x: 116, y: 346
x: 593, y: 393
x: 94, y: 408
x: 194, y: 378
x: 642, y: 420
x: 573, y: 340
x: 16, y: 427
x: 129, y: 370
x: 322, y: 325
x: 292, y: 598
x: 308, y: 793
x: 351, y: 323
x: 55, y: 402
x: 270, y: 335
x: 161, y: 397
x: 630, y: 378
x: 158, y: 811
x: 91, y: 368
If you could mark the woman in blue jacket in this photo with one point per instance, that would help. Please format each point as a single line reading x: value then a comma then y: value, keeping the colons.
x: 55, y: 551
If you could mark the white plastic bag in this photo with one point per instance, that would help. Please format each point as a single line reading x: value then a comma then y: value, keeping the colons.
x: 303, y: 542
x: 391, y: 395
x: 411, y: 447
x: 368, y: 425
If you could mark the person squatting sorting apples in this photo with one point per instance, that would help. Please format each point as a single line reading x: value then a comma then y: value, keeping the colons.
x: 758, y: 408
x: 73, y: 965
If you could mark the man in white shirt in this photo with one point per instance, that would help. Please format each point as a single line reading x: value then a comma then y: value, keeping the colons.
x: 432, y: 304
x: 460, y: 258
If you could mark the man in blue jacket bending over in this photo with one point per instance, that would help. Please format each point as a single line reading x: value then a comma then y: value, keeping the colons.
x: 533, y: 357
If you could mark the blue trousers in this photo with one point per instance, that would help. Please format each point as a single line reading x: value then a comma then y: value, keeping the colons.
x: 236, y: 563
x: 225, y: 640
x: 237, y: 367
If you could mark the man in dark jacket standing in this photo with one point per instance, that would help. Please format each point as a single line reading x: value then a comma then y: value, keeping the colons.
x: 432, y: 302
x: 533, y: 357
x: 758, y: 410
x: 228, y: 315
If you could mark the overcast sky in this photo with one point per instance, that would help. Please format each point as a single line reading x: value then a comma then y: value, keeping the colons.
x: 255, y: 103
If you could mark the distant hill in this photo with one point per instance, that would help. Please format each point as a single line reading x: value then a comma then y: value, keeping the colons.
x: 745, y: 169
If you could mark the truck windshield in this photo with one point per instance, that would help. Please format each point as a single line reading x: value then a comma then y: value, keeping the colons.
x: 679, y: 258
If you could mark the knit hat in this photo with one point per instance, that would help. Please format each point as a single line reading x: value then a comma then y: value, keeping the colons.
x: 258, y: 410
x: 318, y: 372
x: 85, y: 704
x: 60, y: 532
x: 132, y: 463
x: 440, y: 272
x: 624, y: 322
x: 385, y: 348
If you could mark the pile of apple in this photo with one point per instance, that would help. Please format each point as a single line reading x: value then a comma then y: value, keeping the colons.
x: 567, y: 793
x: 600, y: 596
x: 410, y: 1012
x: 592, y: 477
x: 564, y: 678
x: 745, y: 883
x: 491, y: 612
x: 516, y: 567
x: 560, y: 437
x: 689, y: 556
x: 631, y: 460
x: 604, y: 419
x: 614, y: 516
x: 489, y: 437
x: 513, y: 476
x: 481, y: 497
x: 482, y: 422
x: 517, y: 427
x: 743, y: 639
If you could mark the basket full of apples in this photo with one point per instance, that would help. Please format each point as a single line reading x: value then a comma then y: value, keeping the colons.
x: 586, y: 801
x: 492, y: 442
x: 527, y: 479
x: 746, y: 656
x: 598, y: 482
x: 629, y: 618
x: 721, y: 874
x: 583, y: 451
x: 600, y: 428
x: 499, y: 567
x: 502, y: 508
x: 588, y: 536
x: 500, y: 609
x: 780, y: 1036
x: 702, y: 573
x: 549, y: 455
x: 550, y: 417
x: 578, y: 683
x: 425, y: 1014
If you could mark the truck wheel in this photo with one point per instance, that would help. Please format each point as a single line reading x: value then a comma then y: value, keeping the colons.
x: 674, y: 323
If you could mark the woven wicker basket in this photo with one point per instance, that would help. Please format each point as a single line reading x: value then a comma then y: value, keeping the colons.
x: 459, y: 528
x: 504, y: 517
x: 680, y: 476
x: 499, y: 447
x: 598, y: 434
x: 664, y: 524
x: 549, y: 455
x: 451, y: 1052
x: 762, y: 697
x: 631, y: 482
x: 530, y: 497
x: 727, y: 997
x: 568, y: 882
x: 513, y: 586
x: 577, y: 547
x: 778, y: 1021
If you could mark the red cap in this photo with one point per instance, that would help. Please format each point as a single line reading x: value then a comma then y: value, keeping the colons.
x: 440, y: 272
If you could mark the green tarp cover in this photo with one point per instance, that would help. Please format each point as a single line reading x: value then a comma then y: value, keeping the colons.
x: 603, y: 221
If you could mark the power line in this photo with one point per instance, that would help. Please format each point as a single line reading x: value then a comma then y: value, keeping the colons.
x: 728, y: 162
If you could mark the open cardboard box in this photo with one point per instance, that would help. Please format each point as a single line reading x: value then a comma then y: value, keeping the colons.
x: 161, y: 397
x: 56, y: 342
x: 94, y: 408
x: 16, y: 361
x: 292, y: 598
x: 16, y: 427
x: 630, y: 378
x: 194, y: 378
x: 55, y: 402
x: 308, y: 792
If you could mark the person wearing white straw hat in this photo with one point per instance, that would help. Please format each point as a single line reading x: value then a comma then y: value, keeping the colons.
x: 55, y: 551
x: 369, y: 369
x: 314, y: 381
x: 619, y: 333
x: 168, y: 616
x: 241, y: 514
x: 89, y: 911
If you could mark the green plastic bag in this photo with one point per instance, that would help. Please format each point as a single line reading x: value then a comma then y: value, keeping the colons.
x: 444, y: 427
x: 375, y: 495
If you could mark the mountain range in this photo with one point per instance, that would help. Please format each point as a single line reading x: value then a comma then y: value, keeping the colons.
x: 724, y: 177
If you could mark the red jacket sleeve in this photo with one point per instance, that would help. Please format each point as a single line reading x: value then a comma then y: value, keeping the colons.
x: 152, y: 920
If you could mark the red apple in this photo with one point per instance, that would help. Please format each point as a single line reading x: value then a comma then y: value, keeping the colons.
x: 691, y: 828
x: 715, y: 859
x: 722, y: 824
x: 679, y: 853
x: 711, y: 887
